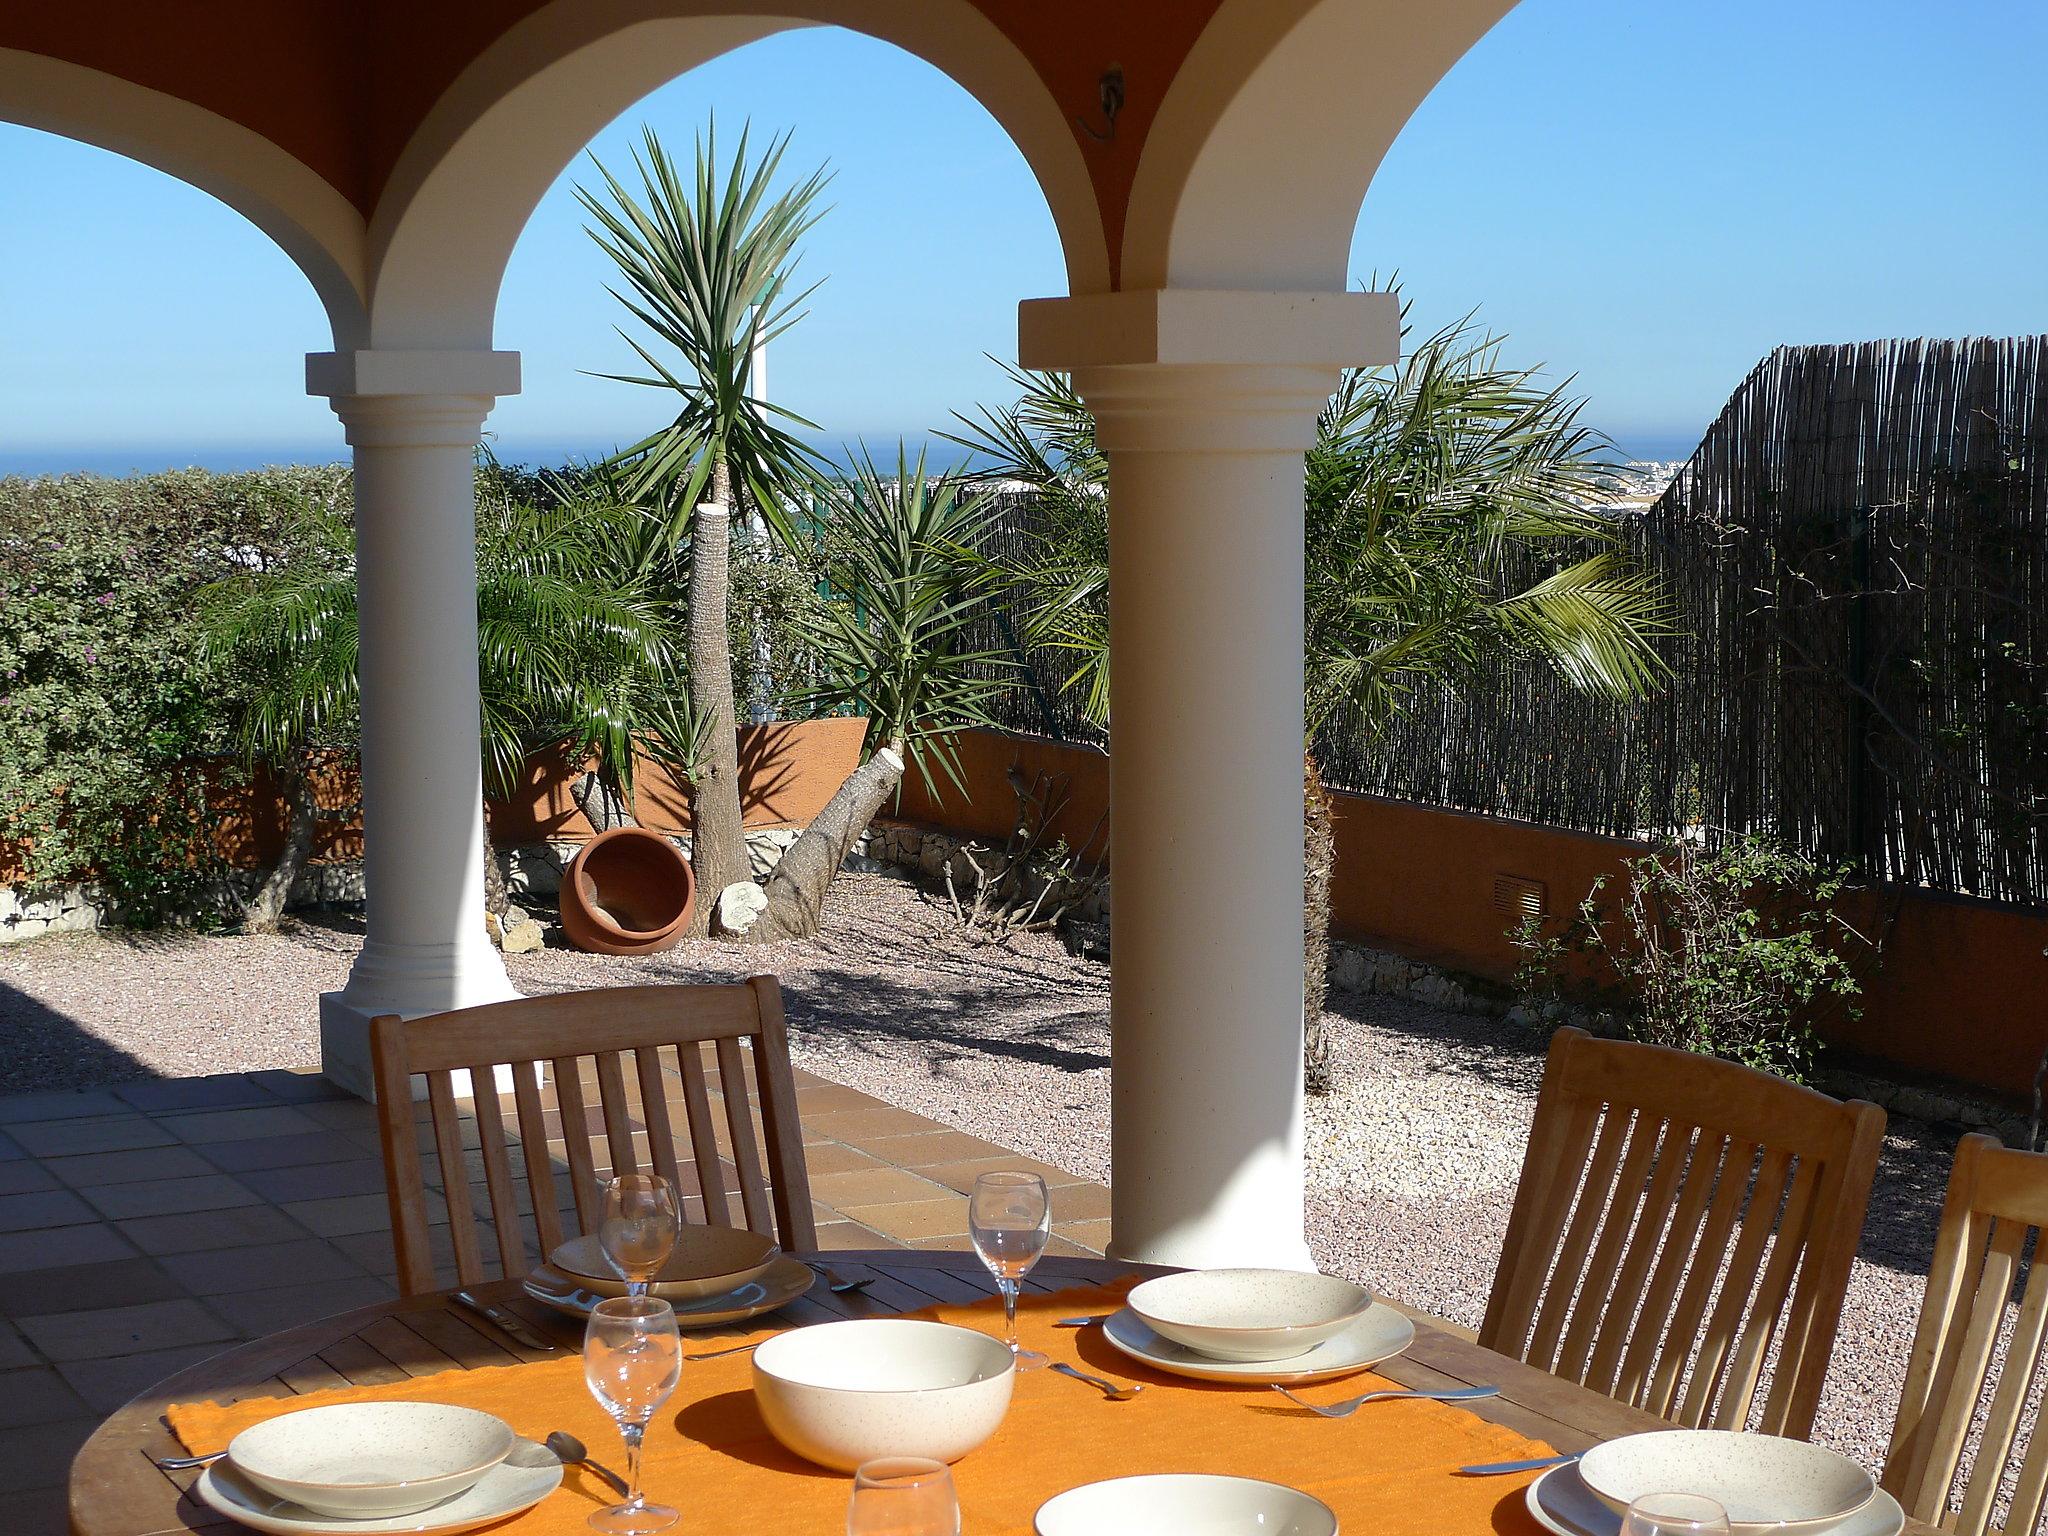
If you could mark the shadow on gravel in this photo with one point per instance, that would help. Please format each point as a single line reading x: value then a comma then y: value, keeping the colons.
x: 949, y: 1021
x: 41, y: 1048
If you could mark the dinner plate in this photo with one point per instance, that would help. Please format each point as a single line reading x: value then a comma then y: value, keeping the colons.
x: 517, y: 1483
x: 706, y: 1261
x: 1565, y: 1506
x: 776, y: 1286
x: 1379, y: 1334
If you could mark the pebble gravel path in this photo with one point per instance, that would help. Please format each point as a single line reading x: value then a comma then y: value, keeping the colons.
x: 1413, y: 1159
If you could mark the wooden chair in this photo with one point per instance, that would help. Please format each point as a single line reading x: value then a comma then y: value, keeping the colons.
x: 1668, y: 1203
x: 562, y: 1047
x: 1997, y: 1206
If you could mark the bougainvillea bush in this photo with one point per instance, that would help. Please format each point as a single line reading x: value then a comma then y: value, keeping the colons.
x: 107, y: 729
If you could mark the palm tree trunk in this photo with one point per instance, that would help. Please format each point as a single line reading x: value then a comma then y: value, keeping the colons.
x: 796, y: 891
x: 301, y: 816
x: 1319, y: 862
x: 718, y: 842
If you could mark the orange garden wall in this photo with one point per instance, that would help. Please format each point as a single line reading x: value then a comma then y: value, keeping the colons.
x: 1962, y: 992
x: 788, y: 770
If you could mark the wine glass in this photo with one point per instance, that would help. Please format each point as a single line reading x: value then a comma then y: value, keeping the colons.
x: 639, y: 1228
x: 903, y: 1496
x: 1675, y: 1514
x: 632, y: 1357
x: 1009, y: 1216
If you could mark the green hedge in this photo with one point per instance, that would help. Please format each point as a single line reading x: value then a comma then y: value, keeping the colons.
x: 102, y: 708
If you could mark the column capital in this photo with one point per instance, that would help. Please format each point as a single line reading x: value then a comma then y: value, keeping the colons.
x: 403, y: 399
x: 1208, y: 371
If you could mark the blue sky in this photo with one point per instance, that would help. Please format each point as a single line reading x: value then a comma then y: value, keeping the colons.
x: 1648, y: 196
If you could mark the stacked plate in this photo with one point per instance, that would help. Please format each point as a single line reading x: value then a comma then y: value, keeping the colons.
x: 717, y: 1275
x: 1767, y: 1485
x: 1257, y: 1326
x: 364, y: 1469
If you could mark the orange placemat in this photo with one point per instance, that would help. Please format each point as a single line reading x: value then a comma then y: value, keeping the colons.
x: 1387, y: 1470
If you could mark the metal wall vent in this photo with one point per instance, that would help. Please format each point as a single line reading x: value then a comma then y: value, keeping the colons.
x: 1519, y: 897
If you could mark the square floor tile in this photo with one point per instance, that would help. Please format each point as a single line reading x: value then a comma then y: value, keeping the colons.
x: 39, y: 1209
x: 932, y: 1148
x: 344, y: 1214
x: 37, y: 1397
x: 64, y: 1104
x: 54, y: 1247
x: 20, y: 1177
x: 196, y: 1231
x: 918, y: 1218
x: 294, y: 1151
x: 316, y: 1181
x: 39, y: 1455
x: 101, y: 1332
x: 220, y: 1271
x: 222, y: 1091
x: 171, y: 1197
x: 239, y: 1124
x: 129, y: 1167
x: 261, y: 1312
x: 306, y: 1087
x: 116, y: 1283
x: 822, y: 1157
x: 106, y: 1133
x: 107, y: 1384
x: 876, y: 1186
x: 14, y: 1350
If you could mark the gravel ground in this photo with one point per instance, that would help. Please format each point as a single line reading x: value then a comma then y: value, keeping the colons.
x: 1413, y: 1161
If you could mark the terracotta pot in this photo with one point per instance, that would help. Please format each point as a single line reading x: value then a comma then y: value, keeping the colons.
x: 628, y: 891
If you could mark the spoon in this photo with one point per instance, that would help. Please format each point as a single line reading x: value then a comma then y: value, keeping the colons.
x: 186, y: 1463
x: 838, y: 1285
x: 571, y: 1453
x: 1108, y: 1389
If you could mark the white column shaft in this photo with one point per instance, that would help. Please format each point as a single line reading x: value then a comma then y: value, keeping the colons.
x: 425, y: 949
x: 1204, y: 404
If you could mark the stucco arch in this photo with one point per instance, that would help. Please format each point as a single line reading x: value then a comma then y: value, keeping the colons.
x: 468, y: 180
x: 1269, y: 136
x: 313, y: 223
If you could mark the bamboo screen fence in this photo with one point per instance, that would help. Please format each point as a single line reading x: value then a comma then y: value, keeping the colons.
x: 1859, y: 549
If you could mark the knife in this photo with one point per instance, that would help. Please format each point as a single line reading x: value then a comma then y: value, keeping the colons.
x: 1501, y: 1468
x: 507, y: 1322
x: 1081, y: 1322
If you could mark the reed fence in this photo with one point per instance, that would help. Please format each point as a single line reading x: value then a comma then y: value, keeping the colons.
x: 1859, y: 550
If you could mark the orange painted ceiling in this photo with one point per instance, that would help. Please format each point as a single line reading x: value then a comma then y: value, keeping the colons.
x: 342, y: 84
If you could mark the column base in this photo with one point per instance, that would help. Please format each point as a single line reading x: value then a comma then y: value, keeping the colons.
x: 345, y: 1050
x: 1221, y: 1249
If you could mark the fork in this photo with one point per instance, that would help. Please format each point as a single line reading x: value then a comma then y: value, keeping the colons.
x: 1345, y: 1409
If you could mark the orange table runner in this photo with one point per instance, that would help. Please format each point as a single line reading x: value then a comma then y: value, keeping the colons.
x: 1387, y: 1470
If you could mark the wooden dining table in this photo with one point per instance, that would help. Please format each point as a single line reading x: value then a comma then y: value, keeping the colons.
x: 118, y: 1490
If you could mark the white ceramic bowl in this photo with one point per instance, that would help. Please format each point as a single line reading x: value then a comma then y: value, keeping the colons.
x: 1249, y: 1314
x: 1176, y: 1504
x: 358, y: 1460
x: 840, y: 1394
x: 1764, y: 1482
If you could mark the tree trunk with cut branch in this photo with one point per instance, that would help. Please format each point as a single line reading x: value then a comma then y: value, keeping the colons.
x: 718, y: 842
x: 1319, y: 863
x: 796, y: 891
x: 301, y: 816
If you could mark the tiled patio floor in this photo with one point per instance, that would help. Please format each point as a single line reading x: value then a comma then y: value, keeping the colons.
x: 146, y: 1226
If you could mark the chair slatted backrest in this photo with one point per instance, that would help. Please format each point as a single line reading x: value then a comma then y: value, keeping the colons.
x: 1673, y: 1211
x: 1958, y: 1377
x: 600, y: 1083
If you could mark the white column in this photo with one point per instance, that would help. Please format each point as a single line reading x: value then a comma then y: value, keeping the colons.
x: 1204, y: 403
x: 413, y: 419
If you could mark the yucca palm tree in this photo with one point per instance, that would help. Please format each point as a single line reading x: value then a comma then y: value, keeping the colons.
x: 572, y: 652
x: 904, y: 568
x: 707, y: 261
x: 1423, y: 480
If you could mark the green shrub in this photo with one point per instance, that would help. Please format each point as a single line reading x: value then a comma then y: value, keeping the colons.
x: 103, y: 709
x: 1726, y: 951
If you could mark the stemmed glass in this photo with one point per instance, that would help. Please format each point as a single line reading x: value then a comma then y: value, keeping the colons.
x: 1675, y: 1514
x: 639, y: 1228
x: 632, y: 1357
x: 903, y: 1496
x: 1009, y: 1216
